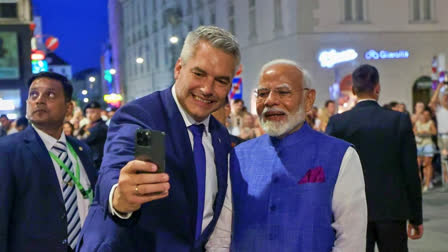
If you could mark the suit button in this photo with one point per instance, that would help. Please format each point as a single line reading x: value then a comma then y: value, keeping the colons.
x: 64, y: 242
x: 63, y: 216
x: 272, y: 208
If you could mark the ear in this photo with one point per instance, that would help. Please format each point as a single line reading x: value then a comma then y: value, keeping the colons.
x: 177, y: 68
x: 309, y: 100
x: 377, y: 90
x: 353, y: 91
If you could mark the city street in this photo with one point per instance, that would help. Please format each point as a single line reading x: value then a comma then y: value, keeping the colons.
x: 435, y: 221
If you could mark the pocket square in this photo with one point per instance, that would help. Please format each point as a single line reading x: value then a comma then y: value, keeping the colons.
x: 314, y: 175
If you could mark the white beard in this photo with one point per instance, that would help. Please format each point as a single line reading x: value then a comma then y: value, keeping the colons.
x: 279, y: 128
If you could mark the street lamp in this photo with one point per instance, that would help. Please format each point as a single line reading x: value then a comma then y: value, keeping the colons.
x: 86, y: 100
x: 112, y: 71
x: 92, y: 79
x: 139, y: 60
x: 84, y: 92
x: 174, y: 39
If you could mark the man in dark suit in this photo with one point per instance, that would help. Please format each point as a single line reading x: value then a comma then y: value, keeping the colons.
x: 45, y: 176
x: 386, y: 145
x: 96, y: 132
x: 176, y: 210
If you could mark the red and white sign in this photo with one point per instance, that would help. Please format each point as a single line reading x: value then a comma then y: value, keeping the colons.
x: 51, y: 43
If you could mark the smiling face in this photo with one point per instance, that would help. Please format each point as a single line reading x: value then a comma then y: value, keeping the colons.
x: 46, y: 103
x: 283, y: 109
x: 203, y: 82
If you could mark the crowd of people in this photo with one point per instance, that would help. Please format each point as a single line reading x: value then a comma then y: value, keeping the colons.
x: 342, y: 182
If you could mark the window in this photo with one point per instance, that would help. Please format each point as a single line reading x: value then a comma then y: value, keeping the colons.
x: 156, y: 52
x: 212, y: 17
x: 252, y: 19
x: 278, y: 22
x: 422, y: 10
x: 189, y: 7
x: 212, y: 8
x: 231, y: 11
x: 201, y: 19
x: 354, y: 10
x: 8, y: 10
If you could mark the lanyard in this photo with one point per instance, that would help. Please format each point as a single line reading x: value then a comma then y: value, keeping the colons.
x: 85, y: 193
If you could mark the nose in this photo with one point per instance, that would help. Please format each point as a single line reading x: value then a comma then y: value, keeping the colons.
x: 208, y: 86
x: 271, y: 100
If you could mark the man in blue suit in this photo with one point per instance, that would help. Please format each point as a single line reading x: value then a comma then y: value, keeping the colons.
x: 45, y: 176
x: 176, y: 210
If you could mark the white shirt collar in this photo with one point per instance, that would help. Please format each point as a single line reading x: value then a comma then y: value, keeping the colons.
x: 48, y: 140
x: 187, y: 118
x: 368, y: 99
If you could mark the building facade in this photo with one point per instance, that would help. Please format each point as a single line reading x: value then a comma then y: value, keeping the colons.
x: 399, y: 38
x: 15, y: 56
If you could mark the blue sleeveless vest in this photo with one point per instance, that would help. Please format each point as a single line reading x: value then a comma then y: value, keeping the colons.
x: 274, y: 209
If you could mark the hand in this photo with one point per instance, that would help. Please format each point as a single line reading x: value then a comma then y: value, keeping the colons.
x: 135, y: 189
x: 415, y: 232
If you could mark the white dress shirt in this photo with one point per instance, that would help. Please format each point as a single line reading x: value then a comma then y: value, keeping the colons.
x: 348, y: 204
x: 83, y: 204
x: 211, y: 181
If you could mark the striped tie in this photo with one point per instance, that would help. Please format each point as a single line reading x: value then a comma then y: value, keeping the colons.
x: 69, y: 193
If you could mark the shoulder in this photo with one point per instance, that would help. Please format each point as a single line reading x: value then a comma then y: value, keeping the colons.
x: 10, y: 141
x: 324, y: 139
x: 11, y: 144
x: 252, y: 144
x: 77, y: 144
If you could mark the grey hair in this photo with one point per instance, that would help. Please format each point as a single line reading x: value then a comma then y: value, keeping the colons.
x: 307, y: 83
x: 217, y: 37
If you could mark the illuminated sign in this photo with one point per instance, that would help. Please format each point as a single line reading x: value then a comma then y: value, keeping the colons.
x: 38, y: 66
x: 38, y: 55
x: 109, y: 98
x: 329, y: 58
x: 383, y: 54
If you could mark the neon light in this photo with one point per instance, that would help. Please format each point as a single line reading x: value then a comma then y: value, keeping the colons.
x: 111, y: 98
x: 331, y: 57
x: 383, y: 54
x: 38, y: 66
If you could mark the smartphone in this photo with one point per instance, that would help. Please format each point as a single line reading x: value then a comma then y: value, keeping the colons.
x: 150, y: 146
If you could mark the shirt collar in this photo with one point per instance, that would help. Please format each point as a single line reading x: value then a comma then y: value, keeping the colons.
x: 187, y: 118
x: 368, y: 99
x: 48, y: 140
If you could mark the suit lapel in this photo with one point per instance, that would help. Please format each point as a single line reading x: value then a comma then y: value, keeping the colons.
x: 85, y: 160
x: 40, y: 152
x: 180, y: 144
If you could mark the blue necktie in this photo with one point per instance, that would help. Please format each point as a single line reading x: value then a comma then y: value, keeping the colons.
x: 69, y: 194
x: 199, y: 161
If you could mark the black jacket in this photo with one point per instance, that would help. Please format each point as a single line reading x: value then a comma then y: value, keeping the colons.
x: 96, y: 140
x: 386, y: 146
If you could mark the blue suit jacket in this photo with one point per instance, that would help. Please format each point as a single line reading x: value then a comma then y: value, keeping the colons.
x: 32, y: 211
x: 163, y: 225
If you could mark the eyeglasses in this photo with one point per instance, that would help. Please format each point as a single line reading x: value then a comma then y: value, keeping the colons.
x: 281, y: 92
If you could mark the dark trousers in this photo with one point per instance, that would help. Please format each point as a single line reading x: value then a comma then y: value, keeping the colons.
x: 391, y: 236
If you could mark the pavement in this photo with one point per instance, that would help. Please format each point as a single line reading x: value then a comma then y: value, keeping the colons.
x: 435, y: 222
